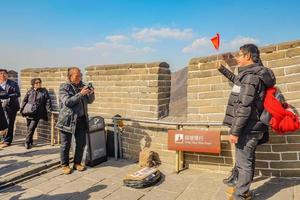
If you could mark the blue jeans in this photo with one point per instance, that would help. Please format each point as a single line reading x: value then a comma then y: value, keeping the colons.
x: 245, y: 162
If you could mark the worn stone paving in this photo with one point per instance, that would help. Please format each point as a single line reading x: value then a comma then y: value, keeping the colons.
x: 105, y: 181
x: 15, y: 158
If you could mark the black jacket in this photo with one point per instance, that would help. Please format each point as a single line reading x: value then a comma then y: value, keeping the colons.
x: 245, y: 103
x: 3, y: 119
x: 42, y: 99
x: 10, y: 96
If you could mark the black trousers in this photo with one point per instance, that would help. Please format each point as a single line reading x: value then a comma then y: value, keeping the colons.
x: 31, y: 126
x: 80, y: 140
x: 245, y: 162
x: 8, y: 138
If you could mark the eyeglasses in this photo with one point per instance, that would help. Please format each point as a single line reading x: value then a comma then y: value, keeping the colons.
x: 38, y: 82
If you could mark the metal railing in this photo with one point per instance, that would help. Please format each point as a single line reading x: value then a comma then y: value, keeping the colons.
x: 179, y: 165
x: 208, y: 124
x: 53, y: 128
x: 117, y: 133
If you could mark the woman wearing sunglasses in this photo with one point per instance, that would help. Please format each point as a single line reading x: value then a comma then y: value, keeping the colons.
x: 35, y: 106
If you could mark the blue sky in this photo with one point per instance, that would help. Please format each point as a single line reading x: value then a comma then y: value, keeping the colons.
x: 51, y: 33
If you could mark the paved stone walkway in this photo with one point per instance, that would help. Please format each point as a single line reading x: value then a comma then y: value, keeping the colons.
x: 105, y: 182
x: 16, y: 160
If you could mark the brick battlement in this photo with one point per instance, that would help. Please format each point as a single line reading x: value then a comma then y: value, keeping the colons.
x: 142, y: 91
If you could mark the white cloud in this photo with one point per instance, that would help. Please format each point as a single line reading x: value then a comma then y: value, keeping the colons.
x: 203, y: 45
x: 239, y: 41
x: 116, y: 38
x: 106, y: 49
x: 198, y: 45
x: 154, y: 34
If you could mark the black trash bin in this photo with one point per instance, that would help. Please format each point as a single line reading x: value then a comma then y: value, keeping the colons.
x: 96, y: 142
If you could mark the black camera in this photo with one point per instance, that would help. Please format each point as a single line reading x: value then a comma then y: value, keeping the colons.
x: 90, y: 86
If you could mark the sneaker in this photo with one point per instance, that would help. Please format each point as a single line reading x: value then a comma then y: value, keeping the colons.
x: 4, y: 145
x: 248, y: 196
x: 79, y: 167
x: 231, y: 181
x: 66, y: 170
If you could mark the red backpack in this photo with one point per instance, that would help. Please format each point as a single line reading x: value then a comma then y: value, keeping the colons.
x: 278, y: 114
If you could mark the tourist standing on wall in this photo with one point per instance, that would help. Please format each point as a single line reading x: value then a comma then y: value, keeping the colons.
x: 73, y: 117
x: 35, y: 106
x: 244, y: 108
x: 9, y: 94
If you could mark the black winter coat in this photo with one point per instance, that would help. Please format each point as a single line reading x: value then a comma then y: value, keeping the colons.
x: 3, y: 118
x: 10, y: 96
x: 42, y: 99
x: 245, y: 103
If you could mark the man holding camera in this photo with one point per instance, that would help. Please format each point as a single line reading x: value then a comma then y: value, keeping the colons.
x: 73, y: 117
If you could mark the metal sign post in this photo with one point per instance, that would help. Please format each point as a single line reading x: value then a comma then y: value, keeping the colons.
x: 115, y: 138
x: 179, y: 156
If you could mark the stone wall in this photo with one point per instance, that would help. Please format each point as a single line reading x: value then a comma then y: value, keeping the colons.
x: 137, y: 135
x: 131, y: 90
x: 208, y: 93
x: 142, y: 91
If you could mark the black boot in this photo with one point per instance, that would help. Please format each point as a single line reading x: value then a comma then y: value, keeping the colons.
x: 231, y: 181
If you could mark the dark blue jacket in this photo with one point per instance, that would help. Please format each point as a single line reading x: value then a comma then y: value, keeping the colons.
x: 10, y: 96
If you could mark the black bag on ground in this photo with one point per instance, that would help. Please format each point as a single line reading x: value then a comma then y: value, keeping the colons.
x: 145, y: 177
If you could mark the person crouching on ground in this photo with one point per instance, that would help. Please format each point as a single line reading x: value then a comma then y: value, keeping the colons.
x: 244, y: 108
x: 73, y: 118
x: 35, y: 106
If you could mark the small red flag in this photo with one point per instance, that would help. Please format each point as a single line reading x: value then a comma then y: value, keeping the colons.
x: 216, y: 41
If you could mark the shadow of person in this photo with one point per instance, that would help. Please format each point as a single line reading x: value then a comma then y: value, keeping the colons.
x: 273, y: 186
x: 14, y: 165
x: 142, y: 137
x: 71, y: 196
